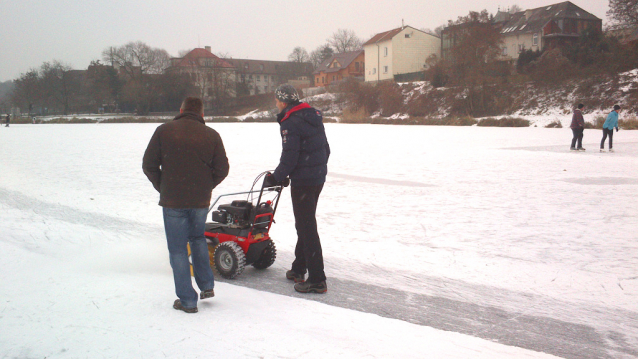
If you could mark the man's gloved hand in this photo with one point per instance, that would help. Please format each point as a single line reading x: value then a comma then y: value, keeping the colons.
x: 269, y: 181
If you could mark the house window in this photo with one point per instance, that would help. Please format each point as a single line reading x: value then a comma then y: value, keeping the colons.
x: 385, y: 51
x: 504, y: 50
x: 356, y: 66
x: 322, y: 80
x: 535, y: 39
x: 258, y: 78
x: 407, y: 36
x: 385, y: 69
x: 272, y: 78
x: 374, y: 70
x: 333, y: 77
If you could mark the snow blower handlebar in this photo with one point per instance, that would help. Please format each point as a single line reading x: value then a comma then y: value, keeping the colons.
x: 277, y: 189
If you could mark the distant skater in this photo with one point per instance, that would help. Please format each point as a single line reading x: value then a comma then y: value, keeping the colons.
x: 8, y: 118
x: 608, y: 129
x: 578, y: 127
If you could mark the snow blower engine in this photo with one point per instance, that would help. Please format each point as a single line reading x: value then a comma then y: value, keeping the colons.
x: 239, y: 233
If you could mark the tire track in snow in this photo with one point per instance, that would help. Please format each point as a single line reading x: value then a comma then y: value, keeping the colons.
x: 520, y: 328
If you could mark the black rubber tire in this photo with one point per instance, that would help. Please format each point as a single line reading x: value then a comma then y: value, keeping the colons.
x: 230, y: 259
x: 267, y: 256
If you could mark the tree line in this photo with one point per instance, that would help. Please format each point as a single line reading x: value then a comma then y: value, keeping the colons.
x: 133, y: 78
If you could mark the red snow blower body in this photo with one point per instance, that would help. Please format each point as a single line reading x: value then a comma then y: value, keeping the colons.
x: 239, y: 232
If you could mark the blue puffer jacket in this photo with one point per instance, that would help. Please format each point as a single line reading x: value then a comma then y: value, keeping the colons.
x: 611, y: 121
x: 305, y: 149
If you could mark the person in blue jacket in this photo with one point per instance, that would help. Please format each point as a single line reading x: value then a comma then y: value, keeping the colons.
x: 304, y: 160
x: 608, y: 129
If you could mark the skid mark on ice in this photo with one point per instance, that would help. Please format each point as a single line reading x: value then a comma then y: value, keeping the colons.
x: 603, y: 181
x: 379, y: 180
x: 68, y: 214
x: 464, y: 310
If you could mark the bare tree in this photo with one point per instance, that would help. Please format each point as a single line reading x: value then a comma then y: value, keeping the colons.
x: 515, y: 8
x: 59, y: 84
x: 27, y: 90
x: 344, y: 40
x: 137, y: 58
x: 623, y: 12
x: 141, y: 64
x: 437, y: 30
x: 299, y: 54
x: 321, y: 54
x: 476, y: 48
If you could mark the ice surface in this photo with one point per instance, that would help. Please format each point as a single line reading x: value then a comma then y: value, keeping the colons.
x: 506, y: 217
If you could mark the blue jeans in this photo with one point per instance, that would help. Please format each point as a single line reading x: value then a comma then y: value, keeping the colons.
x: 187, y: 226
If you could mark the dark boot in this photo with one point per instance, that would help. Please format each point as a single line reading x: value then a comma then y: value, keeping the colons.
x: 209, y: 293
x: 178, y: 305
x: 307, y: 287
x: 298, y: 278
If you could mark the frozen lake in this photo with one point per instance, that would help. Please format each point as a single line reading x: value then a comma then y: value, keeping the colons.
x: 501, y: 218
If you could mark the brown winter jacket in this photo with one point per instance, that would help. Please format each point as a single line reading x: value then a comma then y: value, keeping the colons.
x: 185, y: 160
x: 577, y: 120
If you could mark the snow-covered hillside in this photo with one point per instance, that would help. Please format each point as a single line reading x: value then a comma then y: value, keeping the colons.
x: 539, y: 103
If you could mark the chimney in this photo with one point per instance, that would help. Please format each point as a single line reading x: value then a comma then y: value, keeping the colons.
x: 207, y: 48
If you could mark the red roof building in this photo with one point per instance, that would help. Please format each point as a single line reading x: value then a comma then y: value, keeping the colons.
x: 339, y: 67
x: 213, y: 76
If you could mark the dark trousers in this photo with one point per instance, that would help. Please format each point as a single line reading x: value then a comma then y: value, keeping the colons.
x: 308, y: 254
x: 578, y: 136
x: 611, y: 138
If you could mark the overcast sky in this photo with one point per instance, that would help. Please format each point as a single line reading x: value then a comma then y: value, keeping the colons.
x: 76, y: 31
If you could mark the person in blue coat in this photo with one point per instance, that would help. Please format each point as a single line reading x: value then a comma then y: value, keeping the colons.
x: 304, y: 162
x: 608, y: 129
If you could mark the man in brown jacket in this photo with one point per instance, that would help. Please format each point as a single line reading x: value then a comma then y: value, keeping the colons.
x: 185, y: 160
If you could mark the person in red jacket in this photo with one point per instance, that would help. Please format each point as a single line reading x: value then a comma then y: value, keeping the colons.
x: 185, y: 160
x: 304, y: 161
x: 578, y: 127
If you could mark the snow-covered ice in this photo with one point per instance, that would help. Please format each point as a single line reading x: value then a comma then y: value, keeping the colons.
x: 505, y: 217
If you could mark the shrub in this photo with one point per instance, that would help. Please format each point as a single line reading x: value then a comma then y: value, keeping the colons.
x: 554, y: 124
x: 597, y: 124
x: 628, y: 124
x: 551, y: 67
x: 390, y: 98
x: 360, y: 95
x: 359, y: 115
x: 503, y: 122
x: 426, y: 121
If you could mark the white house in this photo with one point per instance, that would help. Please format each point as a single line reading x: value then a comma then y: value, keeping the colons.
x: 397, y: 52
